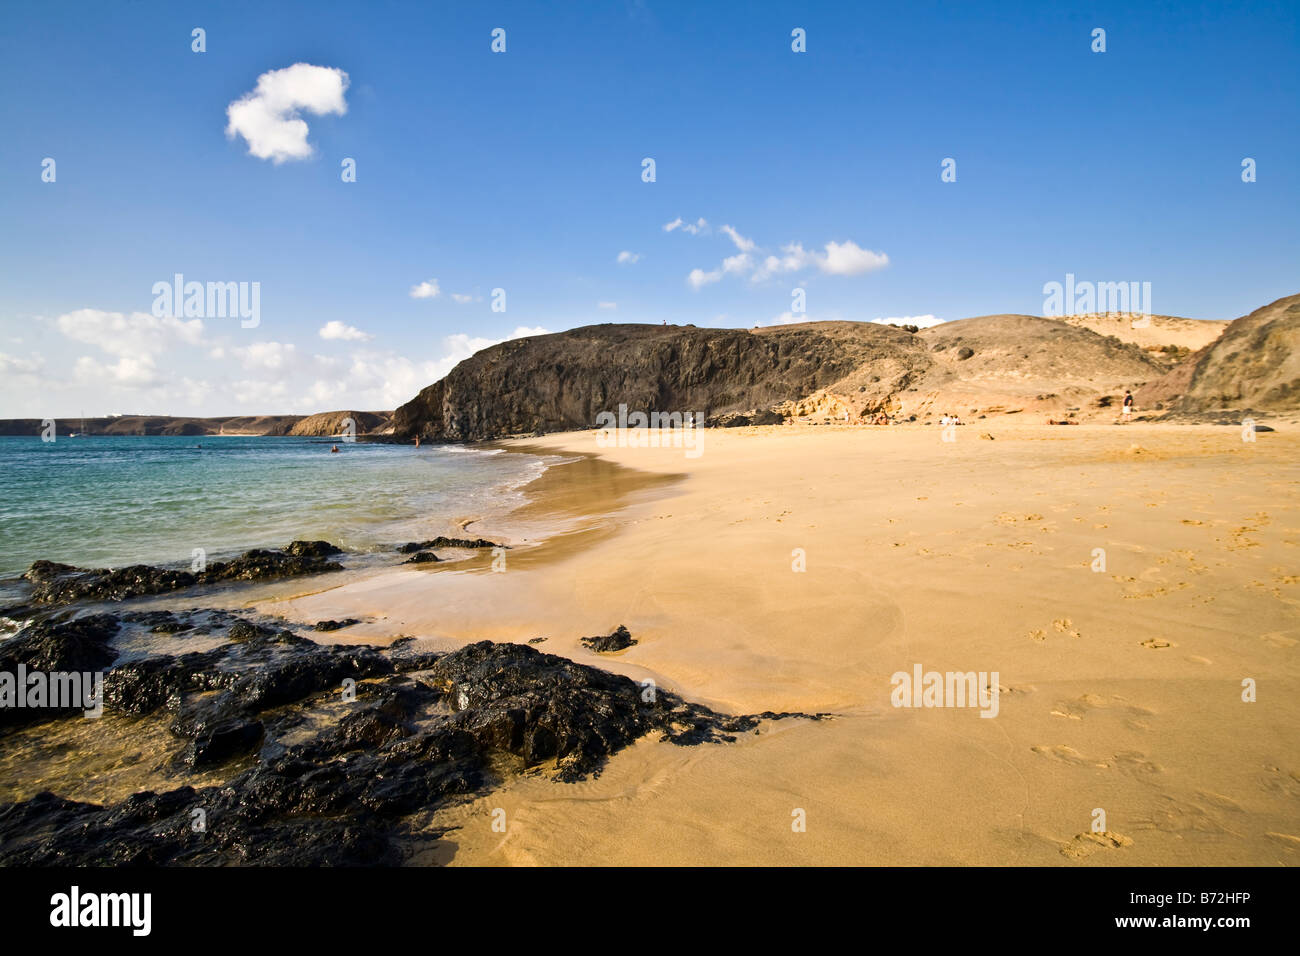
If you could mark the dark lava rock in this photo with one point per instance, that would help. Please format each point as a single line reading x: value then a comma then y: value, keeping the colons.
x: 965, y: 353
x: 445, y: 542
x: 312, y: 549
x: 620, y: 640
x: 78, y: 646
x: 421, y: 557
x: 536, y: 640
x: 60, y: 583
x: 335, y: 625
x: 335, y: 779
x: 231, y: 739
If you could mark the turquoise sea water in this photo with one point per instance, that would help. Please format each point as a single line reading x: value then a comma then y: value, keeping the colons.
x: 112, y: 501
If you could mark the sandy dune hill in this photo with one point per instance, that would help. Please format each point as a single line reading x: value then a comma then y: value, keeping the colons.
x: 997, y: 364
x: 1155, y: 333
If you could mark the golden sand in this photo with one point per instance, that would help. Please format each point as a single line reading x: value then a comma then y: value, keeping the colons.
x: 1121, y: 689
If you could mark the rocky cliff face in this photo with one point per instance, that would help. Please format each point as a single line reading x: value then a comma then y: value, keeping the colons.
x: 1253, y: 367
x: 563, y: 381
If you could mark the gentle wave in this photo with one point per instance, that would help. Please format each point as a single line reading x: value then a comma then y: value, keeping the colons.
x: 111, y: 501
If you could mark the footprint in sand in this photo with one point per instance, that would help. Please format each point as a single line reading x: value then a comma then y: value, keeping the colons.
x: 1086, y: 844
x: 1277, y: 639
x: 1156, y: 644
x: 1066, y: 755
x: 1038, y: 634
x: 1135, y: 762
x: 1065, y: 627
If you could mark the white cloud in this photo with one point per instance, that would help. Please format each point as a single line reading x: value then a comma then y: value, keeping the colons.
x: 920, y: 321
x: 841, y: 259
x: 12, y: 366
x: 849, y: 259
x: 426, y: 290
x: 346, y: 333
x: 460, y: 298
x: 627, y: 258
x: 785, y: 318
x: 694, y: 228
x: 268, y: 117
x: 129, y: 371
x: 743, y: 244
x: 698, y: 278
x: 732, y: 265
x: 607, y: 305
x: 138, y: 333
x: 273, y: 356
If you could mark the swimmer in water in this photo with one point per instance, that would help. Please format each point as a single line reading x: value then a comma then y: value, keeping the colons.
x: 334, y: 450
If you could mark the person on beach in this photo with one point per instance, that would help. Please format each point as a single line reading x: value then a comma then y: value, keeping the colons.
x: 1128, y: 407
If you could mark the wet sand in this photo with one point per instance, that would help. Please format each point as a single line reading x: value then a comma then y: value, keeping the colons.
x: 1121, y: 688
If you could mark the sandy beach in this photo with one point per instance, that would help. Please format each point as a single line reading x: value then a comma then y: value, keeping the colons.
x: 1120, y: 690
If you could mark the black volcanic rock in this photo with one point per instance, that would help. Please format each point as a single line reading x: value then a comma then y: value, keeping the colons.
x: 619, y: 640
x: 333, y: 780
x: 335, y: 625
x: 421, y: 557
x: 60, y: 583
x: 79, y: 646
x: 444, y: 542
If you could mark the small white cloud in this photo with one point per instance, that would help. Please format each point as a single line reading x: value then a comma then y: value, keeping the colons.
x: 694, y: 228
x: 626, y: 258
x: 268, y: 117
x: 607, y: 305
x: 841, y: 259
x: 785, y: 318
x: 743, y: 244
x: 426, y: 290
x: 849, y: 259
x: 698, y: 278
x: 461, y: 298
x: 345, y: 333
x: 920, y: 321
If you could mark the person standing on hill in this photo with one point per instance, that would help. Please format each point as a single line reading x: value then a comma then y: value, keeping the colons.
x: 1128, y: 406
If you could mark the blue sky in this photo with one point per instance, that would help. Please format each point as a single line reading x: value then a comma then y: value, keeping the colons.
x: 522, y: 171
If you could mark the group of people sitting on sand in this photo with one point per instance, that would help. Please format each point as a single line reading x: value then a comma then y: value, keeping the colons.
x: 949, y: 419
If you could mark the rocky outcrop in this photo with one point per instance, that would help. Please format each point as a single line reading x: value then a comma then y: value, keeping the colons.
x: 1252, y: 368
x: 332, y: 424
x: 563, y: 381
x: 54, y: 583
x: 333, y: 755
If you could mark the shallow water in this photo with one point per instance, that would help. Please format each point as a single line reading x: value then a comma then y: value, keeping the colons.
x: 106, y: 501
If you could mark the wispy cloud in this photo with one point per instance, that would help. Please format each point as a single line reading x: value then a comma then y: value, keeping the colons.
x: 626, y: 258
x: 694, y: 228
x: 743, y: 244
